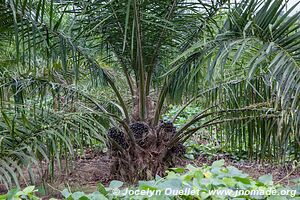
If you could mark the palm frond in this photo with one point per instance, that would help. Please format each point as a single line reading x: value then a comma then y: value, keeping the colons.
x: 57, y: 120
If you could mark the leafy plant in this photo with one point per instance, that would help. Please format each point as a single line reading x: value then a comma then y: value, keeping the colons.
x: 182, y: 117
x: 213, y: 178
x: 205, y: 181
x: 15, y: 194
x: 195, y: 149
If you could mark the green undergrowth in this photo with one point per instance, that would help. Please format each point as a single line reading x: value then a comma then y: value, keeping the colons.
x: 204, y: 144
x: 207, y: 182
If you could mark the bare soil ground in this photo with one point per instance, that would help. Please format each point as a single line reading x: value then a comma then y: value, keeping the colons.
x: 93, y: 168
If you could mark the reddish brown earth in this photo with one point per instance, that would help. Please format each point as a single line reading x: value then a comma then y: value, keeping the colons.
x: 92, y: 168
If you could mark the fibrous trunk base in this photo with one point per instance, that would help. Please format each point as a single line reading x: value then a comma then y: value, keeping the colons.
x: 148, y: 156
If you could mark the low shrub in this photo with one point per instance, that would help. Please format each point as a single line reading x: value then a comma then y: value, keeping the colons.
x: 208, y: 182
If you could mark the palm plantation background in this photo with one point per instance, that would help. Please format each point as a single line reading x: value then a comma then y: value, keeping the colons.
x: 73, y: 71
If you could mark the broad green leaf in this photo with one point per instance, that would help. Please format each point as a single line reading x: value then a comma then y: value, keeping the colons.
x: 101, y: 189
x: 79, y: 196
x: 116, y: 184
x: 177, y: 169
x: 66, y: 193
x: 243, y: 180
x: 230, y: 182
x: 266, y: 179
x: 29, y: 190
x: 218, y: 164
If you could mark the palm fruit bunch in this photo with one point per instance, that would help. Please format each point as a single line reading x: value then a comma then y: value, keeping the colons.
x: 140, y: 130
x: 168, y: 126
x: 179, y: 149
x: 118, y: 136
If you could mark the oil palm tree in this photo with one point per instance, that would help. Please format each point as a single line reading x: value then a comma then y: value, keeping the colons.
x: 147, y: 54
